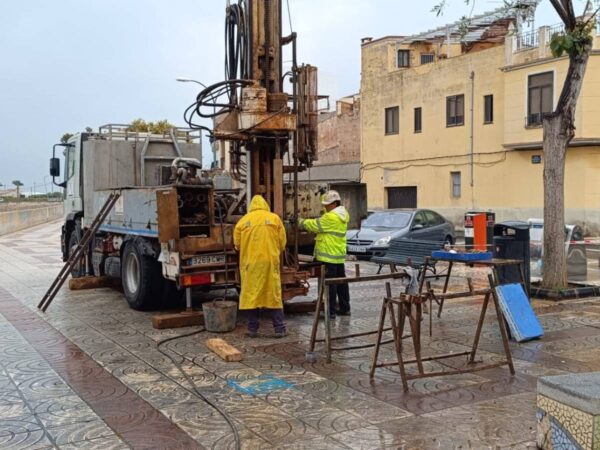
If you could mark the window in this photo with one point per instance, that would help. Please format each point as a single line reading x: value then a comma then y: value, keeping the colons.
x: 427, y: 58
x: 403, y: 58
x: 455, y: 176
x: 455, y: 110
x: 392, y: 120
x: 69, y: 161
x: 402, y: 197
x: 433, y: 219
x: 418, y: 120
x: 419, y: 220
x: 488, y: 109
x: 539, y: 102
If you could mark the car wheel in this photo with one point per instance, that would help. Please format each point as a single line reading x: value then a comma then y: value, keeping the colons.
x: 141, y: 277
x: 78, y: 269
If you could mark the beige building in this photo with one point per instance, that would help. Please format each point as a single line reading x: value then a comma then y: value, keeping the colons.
x: 456, y: 125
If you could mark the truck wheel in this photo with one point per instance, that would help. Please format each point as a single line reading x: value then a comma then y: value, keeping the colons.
x: 78, y: 269
x: 141, y: 278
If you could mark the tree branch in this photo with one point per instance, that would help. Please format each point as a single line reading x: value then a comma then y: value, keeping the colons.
x: 560, y: 11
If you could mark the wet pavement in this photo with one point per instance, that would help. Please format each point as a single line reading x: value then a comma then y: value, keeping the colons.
x: 88, y: 373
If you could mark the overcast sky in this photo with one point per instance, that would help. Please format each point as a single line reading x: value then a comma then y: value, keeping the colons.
x: 68, y: 64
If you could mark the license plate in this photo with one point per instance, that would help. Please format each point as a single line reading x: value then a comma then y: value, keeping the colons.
x: 357, y: 249
x: 206, y: 259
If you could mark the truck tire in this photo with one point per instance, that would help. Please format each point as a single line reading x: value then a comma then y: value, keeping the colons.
x: 141, y: 278
x: 78, y: 269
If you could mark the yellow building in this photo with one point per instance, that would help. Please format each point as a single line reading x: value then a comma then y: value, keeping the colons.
x: 456, y: 125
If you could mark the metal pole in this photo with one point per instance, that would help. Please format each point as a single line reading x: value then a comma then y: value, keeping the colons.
x: 471, y: 144
x: 188, y: 299
x: 248, y: 176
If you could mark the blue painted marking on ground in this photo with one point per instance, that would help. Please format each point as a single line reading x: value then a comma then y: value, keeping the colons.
x: 260, y: 385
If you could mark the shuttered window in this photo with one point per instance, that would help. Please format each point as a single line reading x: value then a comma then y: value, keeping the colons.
x: 540, y: 97
x: 392, y: 125
x: 455, y: 110
x: 488, y: 109
x: 418, y: 120
x: 403, y: 58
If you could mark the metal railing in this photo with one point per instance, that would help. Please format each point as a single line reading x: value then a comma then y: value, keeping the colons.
x: 527, y: 41
x: 119, y: 131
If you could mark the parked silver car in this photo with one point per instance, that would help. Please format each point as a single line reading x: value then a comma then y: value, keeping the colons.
x: 574, y: 248
x: 377, y: 230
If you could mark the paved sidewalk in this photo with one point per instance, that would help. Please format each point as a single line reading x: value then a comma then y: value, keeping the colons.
x: 87, y: 374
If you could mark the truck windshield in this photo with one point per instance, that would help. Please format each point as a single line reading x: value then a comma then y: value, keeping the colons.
x: 387, y: 220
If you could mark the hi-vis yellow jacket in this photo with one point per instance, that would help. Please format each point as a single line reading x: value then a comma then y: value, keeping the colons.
x: 330, y: 228
x: 260, y: 238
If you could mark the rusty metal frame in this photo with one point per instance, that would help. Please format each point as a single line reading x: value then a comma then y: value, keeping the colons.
x: 404, y: 304
x: 323, y: 304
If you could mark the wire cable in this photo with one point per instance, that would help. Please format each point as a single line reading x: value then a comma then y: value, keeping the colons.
x: 236, y: 434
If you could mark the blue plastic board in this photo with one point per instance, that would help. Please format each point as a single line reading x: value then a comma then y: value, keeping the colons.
x: 519, y: 314
x: 442, y: 254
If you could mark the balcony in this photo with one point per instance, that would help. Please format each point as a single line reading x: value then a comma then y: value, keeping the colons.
x: 532, y: 45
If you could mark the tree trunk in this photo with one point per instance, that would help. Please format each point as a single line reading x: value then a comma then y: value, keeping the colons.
x: 555, y: 260
x: 559, y: 129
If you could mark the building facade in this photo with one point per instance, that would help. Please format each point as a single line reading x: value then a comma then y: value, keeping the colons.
x: 454, y: 124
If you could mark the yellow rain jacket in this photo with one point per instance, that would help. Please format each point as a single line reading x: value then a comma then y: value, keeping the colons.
x: 330, y: 228
x: 260, y: 238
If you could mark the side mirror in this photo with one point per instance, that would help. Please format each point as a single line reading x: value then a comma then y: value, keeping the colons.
x: 418, y: 226
x: 54, y: 167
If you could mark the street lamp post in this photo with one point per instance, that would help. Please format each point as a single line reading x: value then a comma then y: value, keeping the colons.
x: 189, y: 80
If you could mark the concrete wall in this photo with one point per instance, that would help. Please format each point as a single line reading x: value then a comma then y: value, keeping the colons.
x: 11, y: 221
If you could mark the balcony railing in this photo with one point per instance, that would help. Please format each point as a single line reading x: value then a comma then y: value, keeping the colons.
x: 527, y: 41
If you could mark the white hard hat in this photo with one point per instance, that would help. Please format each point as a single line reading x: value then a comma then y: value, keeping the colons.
x: 330, y: 197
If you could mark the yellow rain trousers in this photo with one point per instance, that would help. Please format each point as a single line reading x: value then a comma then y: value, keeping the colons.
x: 260, y: 238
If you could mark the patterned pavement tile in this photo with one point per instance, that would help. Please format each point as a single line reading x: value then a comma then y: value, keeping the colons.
x: 62, y: 418
x: 11, y: 410
x: 102, y: 443
x: 370, y: 437
x: 19, y: 425
x: 279, y: 433
x: 79, y: 432
x: 35, y: 440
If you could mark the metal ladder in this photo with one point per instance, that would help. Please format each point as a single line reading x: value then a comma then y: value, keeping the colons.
x: 79, y: 251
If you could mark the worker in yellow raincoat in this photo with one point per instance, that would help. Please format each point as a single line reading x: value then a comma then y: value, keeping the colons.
x: 260, y: 238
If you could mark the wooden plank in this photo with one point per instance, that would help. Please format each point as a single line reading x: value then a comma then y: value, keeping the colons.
x: 177, y: 320
x: 77, y: 284
x: 226, y: 351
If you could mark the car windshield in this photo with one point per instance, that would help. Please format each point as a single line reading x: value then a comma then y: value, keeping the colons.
x: 387, y: 220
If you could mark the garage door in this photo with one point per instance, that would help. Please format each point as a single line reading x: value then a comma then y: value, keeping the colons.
x: 402, y: 197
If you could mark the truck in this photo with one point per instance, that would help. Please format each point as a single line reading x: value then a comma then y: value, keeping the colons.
x: 167, y: 230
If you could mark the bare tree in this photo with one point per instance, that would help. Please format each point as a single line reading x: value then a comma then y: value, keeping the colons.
x: 559, y: 128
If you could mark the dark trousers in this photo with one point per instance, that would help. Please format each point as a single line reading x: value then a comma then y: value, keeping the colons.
x: 276, y: 318
x: 339, y: 291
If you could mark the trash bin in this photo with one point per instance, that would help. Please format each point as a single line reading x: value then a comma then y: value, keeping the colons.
x: 511, y: 241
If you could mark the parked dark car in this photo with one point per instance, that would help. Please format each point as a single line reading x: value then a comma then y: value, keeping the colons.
x: 377, y: 230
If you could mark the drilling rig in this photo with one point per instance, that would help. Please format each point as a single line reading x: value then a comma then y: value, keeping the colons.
x: 138, y: 205
x: 271, y: 134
